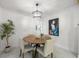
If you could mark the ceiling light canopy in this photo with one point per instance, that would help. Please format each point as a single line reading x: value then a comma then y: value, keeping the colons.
x: 37, y: 13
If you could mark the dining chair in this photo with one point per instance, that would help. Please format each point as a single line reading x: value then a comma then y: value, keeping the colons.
x: 24, y: 48
x: 46, y: 37
x: 47, y: 49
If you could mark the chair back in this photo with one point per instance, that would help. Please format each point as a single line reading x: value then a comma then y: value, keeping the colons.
x: 46, y: 37
x: 48, y: 48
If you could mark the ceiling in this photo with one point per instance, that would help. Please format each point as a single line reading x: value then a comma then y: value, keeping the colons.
x: 27, y: 6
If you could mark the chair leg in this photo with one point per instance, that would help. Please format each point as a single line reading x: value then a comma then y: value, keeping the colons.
x: 20, y: 53
x: 51, y: 55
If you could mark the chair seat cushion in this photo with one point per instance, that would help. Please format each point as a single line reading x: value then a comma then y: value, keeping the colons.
x: 28, y: 48
x: 41, y: 50
x: 42, y: 45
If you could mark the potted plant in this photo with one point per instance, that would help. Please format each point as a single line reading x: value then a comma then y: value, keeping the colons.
x: 6, y: 31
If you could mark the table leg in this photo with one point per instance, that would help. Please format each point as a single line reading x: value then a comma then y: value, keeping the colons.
x: 20, y: 53
x: 35, y: 51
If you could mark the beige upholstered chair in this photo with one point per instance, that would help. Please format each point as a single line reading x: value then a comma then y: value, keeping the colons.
x: 46, y: 37
x: 47, y: 50
x: 24, y: 48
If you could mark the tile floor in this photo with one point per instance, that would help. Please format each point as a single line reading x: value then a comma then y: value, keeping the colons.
x: 58, y: 53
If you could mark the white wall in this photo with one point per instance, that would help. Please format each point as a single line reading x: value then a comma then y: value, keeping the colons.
x: 76, y: 26
x: 68, y: 20
x: 77, y: 37
x: 24, y: 25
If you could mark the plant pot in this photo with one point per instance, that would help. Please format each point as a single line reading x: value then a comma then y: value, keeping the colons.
x: 7, y: 49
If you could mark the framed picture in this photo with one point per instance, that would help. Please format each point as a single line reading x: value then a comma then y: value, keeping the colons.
x: 54, y: 27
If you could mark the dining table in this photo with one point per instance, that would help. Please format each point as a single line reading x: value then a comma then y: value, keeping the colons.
x: 33, y: 39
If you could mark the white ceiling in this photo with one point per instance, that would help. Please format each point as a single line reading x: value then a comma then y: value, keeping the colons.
x: 27, y: 6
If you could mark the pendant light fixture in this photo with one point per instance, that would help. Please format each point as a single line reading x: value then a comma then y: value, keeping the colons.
x: 37, y: 13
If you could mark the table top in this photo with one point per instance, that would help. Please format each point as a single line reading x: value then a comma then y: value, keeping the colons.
x: 34, y: 39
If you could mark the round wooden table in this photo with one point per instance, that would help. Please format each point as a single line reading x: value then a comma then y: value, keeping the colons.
x: 32, y: 39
